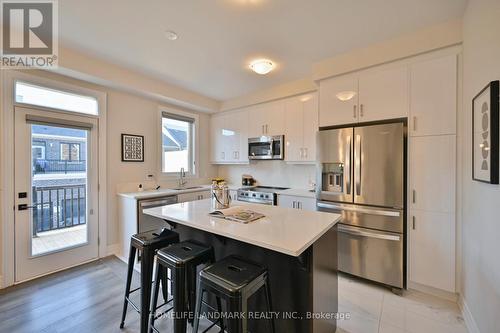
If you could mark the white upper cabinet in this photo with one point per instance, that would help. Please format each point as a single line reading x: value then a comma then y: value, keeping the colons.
x: 218, y: 151
x: 235, y: 135
x: 294, y: 129
x: 433, y: 104
x: 301, y: 125
x: 311, y: 126
x: 365, y: 96
x: 266, y: 119
x: 338, y: 101
x: 383, y: 94
x: 229, y: 137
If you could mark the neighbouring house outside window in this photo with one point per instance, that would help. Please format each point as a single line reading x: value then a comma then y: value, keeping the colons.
x: 178, y: 147
x: 70, y: 151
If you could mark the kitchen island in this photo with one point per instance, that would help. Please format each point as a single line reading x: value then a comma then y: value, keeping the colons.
x: 299, y: 249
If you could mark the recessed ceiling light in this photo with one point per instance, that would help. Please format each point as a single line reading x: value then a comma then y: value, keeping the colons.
x: 262, y: 66
x: 171, y: 35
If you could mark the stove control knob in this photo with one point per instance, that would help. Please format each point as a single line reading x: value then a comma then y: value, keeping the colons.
x: 262, y: 195
x: 253, y: 194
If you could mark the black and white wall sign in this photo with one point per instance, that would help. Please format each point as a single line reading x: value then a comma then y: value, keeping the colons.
x: 485, y: 134
x: 132, y: 148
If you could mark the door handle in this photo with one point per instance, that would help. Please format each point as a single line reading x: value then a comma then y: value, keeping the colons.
x: 364, y: 233
x: 357, y: 165
x: 24, y: 207
x: 414, y: 196
x: 413, y: 219
x: 347, y: 172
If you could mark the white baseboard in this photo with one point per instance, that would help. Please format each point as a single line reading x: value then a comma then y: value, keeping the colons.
x: 113, y: 249
x: 468, y: 318
x: 433, y: 291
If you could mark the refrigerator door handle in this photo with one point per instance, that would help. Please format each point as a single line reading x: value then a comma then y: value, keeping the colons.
x: 351, y: 208
x: 347, y: 170
x: 362, y: 233
x: 357, y: 165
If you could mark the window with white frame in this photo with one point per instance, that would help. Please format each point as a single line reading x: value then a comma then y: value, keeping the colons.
x: 28, y: 93
x: 177, y: 143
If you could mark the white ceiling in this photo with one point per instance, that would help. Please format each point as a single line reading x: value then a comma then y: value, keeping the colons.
x: 218, y: 38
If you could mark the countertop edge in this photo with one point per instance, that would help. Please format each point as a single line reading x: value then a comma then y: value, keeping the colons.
x: 295, y: 253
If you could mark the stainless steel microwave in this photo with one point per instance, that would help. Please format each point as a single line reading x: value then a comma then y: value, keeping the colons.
x: 266, y: 148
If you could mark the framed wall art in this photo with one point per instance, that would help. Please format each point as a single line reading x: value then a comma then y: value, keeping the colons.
x: 485, y: 134
x: 132, y: 148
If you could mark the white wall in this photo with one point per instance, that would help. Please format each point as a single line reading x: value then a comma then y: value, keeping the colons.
x: 133, y: 114
x: 136, y: 115
x: 481, y: 222
x: 271, y: 173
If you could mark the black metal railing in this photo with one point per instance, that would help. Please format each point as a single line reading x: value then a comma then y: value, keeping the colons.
x: 41, y: 166
x: 58, y: 207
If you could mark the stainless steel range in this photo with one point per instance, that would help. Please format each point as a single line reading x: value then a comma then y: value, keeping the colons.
x: 266, y: 195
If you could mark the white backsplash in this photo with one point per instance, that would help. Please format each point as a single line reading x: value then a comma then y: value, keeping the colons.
x: 271, y: 173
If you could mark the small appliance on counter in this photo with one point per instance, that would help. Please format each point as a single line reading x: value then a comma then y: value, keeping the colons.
x: 220, y: 196
x: 266, y: 195
x: 247, y: 180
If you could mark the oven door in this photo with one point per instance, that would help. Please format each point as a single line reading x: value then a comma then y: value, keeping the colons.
x: 260, y: 148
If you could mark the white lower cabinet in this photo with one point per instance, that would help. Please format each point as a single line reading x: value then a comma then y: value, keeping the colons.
x: 193, y: 196
x: 432, y: 249
x: 291, y: 201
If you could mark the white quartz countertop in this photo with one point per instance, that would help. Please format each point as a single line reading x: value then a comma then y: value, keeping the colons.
x: 286, y: 230
x: 163, y: 192
x: 298, y: 192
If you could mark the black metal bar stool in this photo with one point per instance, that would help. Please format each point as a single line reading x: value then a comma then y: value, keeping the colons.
x: 235, y: 280
x: 182, y: 259
x: 147, y: 243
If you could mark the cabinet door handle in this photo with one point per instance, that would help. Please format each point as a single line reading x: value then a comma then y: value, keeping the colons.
x: 293, y: 204
x: 237, y: 155
x: 301, y: 152
x: 413, y: 219
x: 354, y: 107
x: 305, y: 150
x: 267, y: 129
x: 299, y: 205
x: 361, y: 113
x: 263, y: 131
x: 414, y: 123
x: 414, y: 196
x: 223, y: 155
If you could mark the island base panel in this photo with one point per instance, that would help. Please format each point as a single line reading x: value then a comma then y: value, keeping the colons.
x: 300, y: 286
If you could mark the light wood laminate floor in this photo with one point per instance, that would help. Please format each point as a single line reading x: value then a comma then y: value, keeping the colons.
x: 89, y: 298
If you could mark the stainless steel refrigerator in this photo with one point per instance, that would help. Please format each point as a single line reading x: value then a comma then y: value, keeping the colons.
x: 361, y: 174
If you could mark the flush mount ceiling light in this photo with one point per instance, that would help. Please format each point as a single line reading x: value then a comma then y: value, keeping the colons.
x: 171, y: 35
x: 345, y: 95
x: 262, y: 66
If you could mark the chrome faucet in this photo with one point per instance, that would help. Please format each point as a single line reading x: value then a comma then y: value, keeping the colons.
x: 182, y: 178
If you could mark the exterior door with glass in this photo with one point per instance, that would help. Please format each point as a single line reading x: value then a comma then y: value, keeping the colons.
x: 56, y: 196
